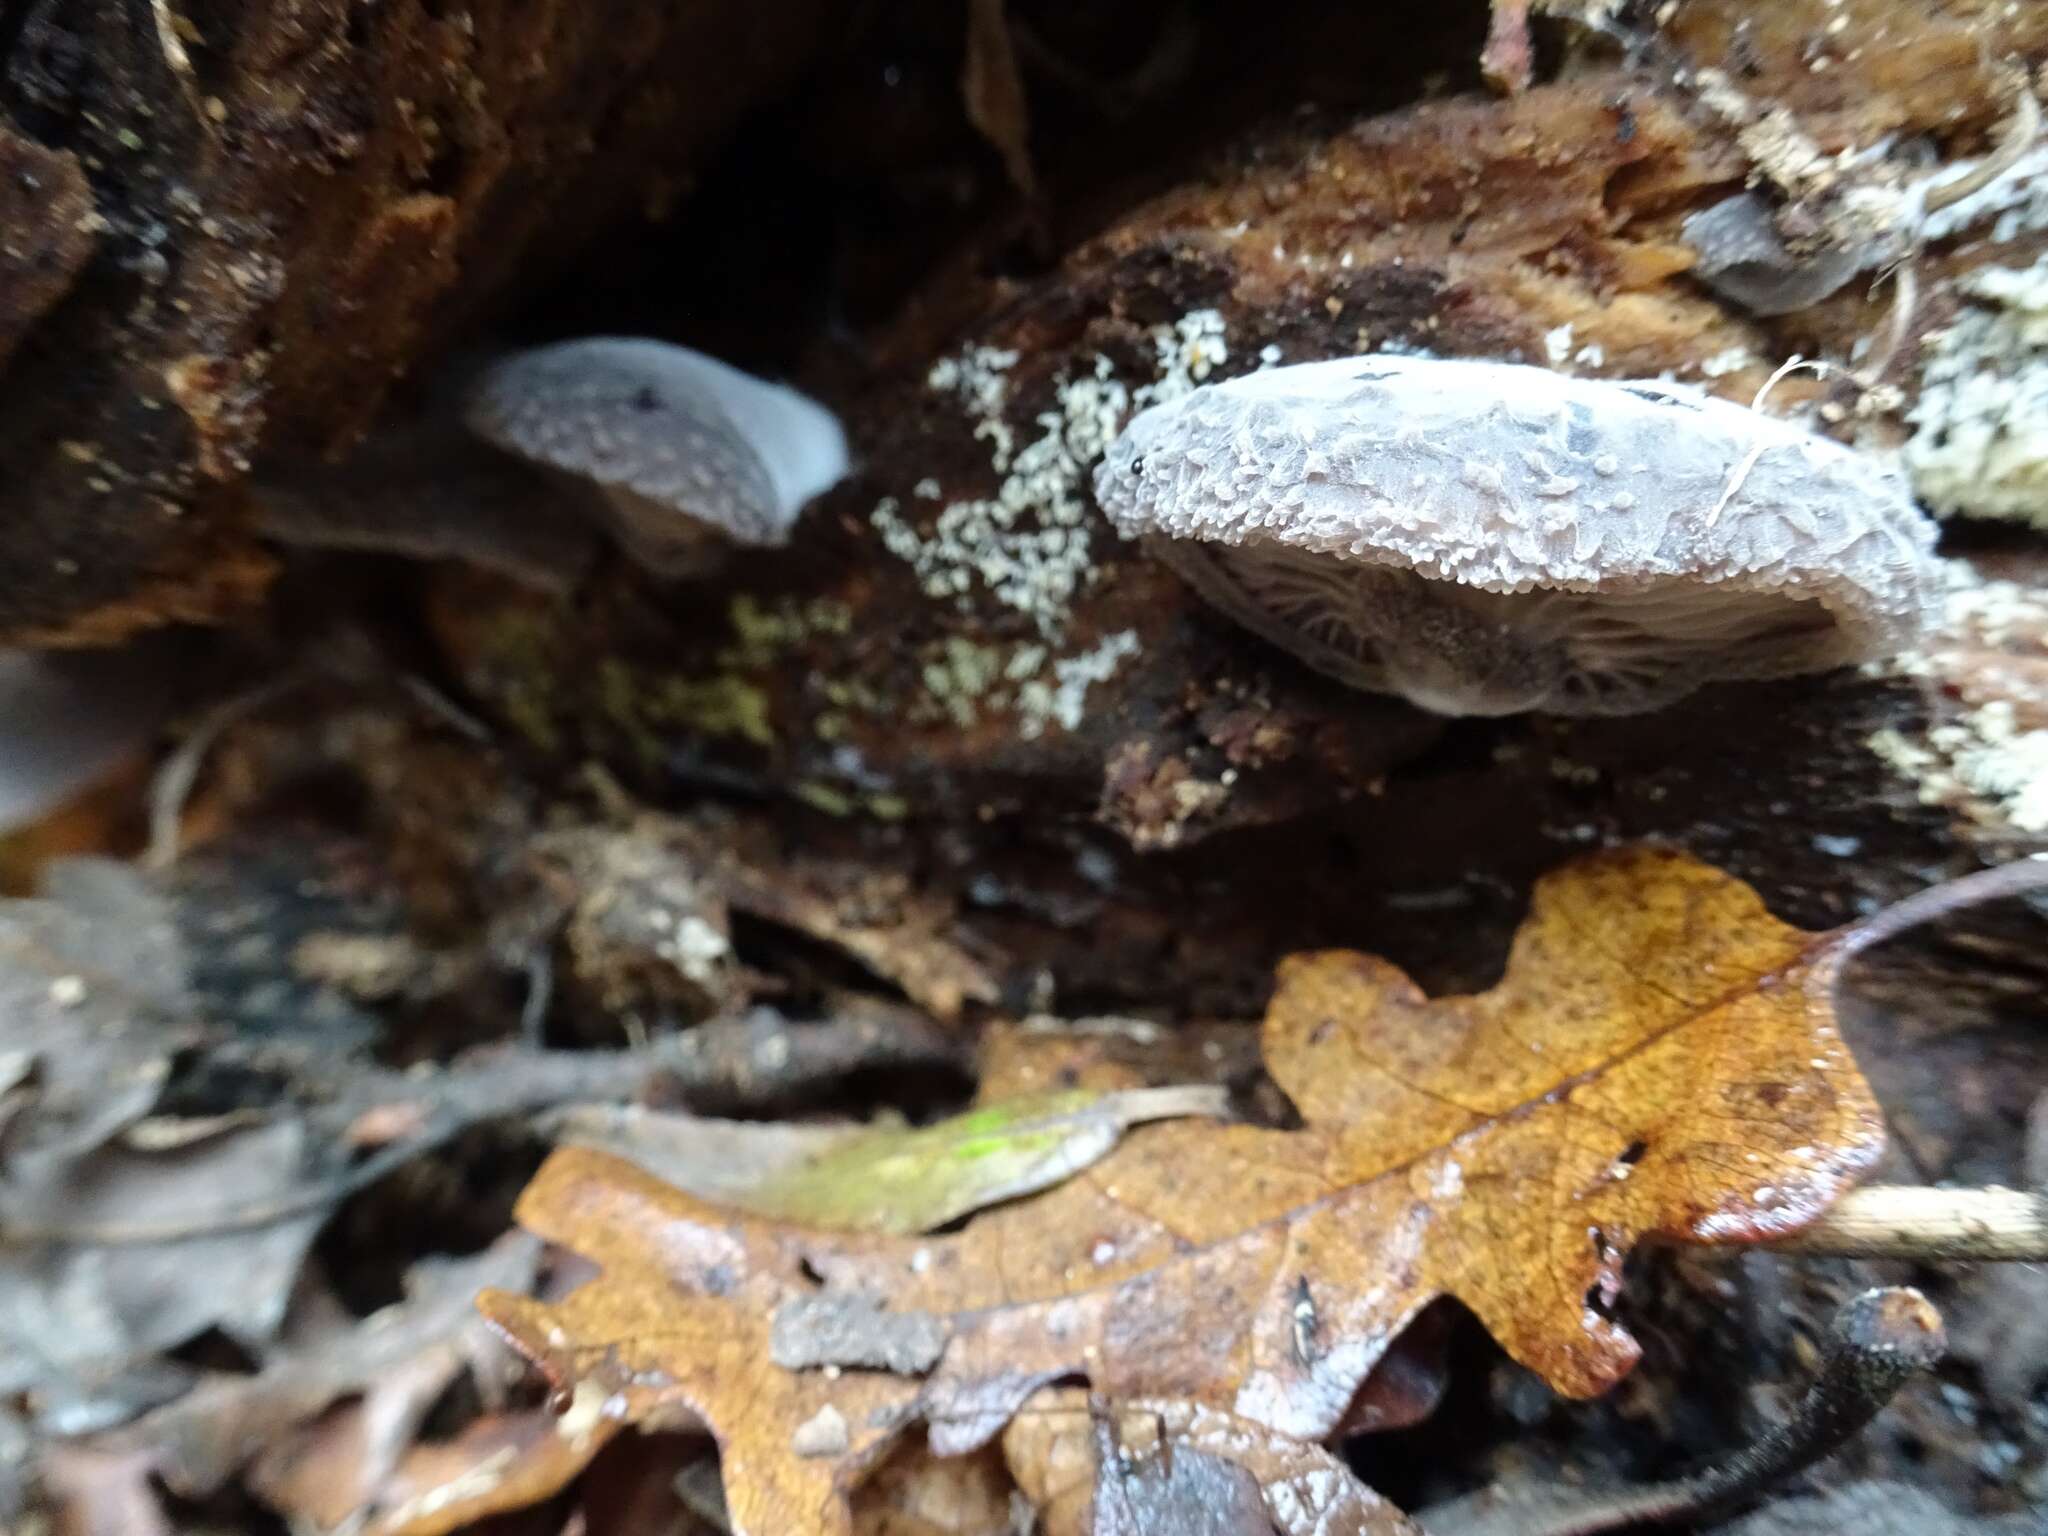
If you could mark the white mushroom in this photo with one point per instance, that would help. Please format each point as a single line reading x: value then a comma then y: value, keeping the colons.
x: 692, y: 454
x: 1486, y: 538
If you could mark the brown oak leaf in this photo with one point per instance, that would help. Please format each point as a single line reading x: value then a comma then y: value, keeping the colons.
x: 1660, y: 1059
x: 1121, y: 1472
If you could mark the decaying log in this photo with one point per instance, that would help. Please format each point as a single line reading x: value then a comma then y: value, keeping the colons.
x: 958, y: 655
x: 281, y: 208
x: 958, y: 635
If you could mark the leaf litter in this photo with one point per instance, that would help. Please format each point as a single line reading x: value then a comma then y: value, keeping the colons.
x: 185, y: 1103
x: 1659, y: 1061
x: 1261, y: 1285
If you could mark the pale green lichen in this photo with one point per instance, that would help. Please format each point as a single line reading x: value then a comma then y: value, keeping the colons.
x: 761, y: 635
x: 643, y: 705
x: 1980, y: 445
x: 717, y: 706
x: 967, y: 681
x: 523, y: 676
x: 1031, y: 545
x: 644, y: 702
x: 824, y: 797
x: 1975, y: 760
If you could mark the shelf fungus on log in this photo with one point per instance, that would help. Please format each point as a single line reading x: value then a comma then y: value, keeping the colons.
x: 959, y: 634
x: 1486, y: 538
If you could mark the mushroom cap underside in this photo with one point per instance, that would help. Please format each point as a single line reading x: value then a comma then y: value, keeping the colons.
x: 1464, y: 651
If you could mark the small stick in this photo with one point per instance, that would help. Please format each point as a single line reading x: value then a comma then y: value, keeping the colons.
x: 175, y: 55
x: 1897, y: 1221
x: 2022, y: 877
x: 171, y: 787
x: 2014, y: 140
x: 1877, y: 1342
x: 1898, y: 327
x: 721, y: 1065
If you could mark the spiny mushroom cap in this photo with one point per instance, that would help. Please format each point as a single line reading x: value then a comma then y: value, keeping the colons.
x: 1487, y: 537
x: 667, y: 431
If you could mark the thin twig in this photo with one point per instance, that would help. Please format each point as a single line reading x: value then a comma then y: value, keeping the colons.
x: 172, y: 46
x: 171, y: 787
x: 1898, y: 325
x: 1877, y: 1342
x: 747, y: 1063
x: 2022, y: 877
x: 1895, y: 1221
x: 2014, y: 141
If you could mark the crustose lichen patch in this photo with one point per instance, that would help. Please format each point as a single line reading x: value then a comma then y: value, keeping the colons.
x: 1031, y: 545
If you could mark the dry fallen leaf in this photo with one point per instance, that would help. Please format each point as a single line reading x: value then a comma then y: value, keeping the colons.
x: 889, y: 1180
x: 881, y: 917
x: 915, y: 1493
x: 1660, y: 1059
x: 1174, y: 1466
x: 400, y: 1360
x: 994, y: 90
x: 497, y: 1464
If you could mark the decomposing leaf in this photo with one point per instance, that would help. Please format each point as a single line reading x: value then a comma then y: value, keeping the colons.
x: 994, y: 88
x: 878, y: 1179
x: 333, y: 1475
x: 1146, y: 1467
x: 915, y: 1493
x: 16, y: 1468
x: 879, y: 916
x: 717, y: 1159
x: 912, y: 1180
x: 1042, y: 1054
x: 93, y: 991
x: 94, y: 1002
x: 1174, y: 1488
x: 131, y: 1228
x: 401, y: 1359
x: 1660, y: 1059
x: 81, y: 1316
x: 866, y: 1180
x: 500, y: 1463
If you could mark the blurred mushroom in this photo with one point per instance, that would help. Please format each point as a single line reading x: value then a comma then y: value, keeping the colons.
x: 691, y: 454
x: 422, y: 487
x: 1486, y: 538
x: 69, y: 718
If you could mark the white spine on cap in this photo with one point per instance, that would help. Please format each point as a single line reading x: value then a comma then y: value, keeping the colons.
x: 800, y: 442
